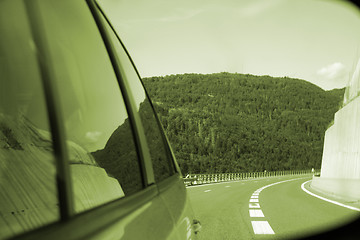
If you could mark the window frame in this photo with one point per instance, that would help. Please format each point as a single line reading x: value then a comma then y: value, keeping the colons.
x: 63, y: 178
x: 137, y: 129
x: 169, y: 152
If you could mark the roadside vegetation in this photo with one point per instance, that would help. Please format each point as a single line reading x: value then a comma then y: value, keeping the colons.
x: 229, y: 122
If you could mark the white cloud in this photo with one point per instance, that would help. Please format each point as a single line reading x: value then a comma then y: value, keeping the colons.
x: 255, y: 8
x: 93, y: 136
x: 332, y: 71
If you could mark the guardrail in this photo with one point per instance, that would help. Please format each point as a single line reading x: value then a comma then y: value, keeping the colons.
x: 196, y: 179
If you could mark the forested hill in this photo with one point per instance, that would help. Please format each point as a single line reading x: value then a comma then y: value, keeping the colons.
x: 227, y: 122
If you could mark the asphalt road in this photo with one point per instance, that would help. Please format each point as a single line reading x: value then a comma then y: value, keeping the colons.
x: 268, y: 208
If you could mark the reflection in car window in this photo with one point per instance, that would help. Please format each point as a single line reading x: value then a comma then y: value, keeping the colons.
x: 28, y: 194
x: 103, y: 160
x: 161, y: 160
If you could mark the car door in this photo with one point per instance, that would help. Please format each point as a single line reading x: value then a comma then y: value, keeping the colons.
x: 103, y: 171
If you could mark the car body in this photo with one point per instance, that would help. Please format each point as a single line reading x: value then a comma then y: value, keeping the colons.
x: 82, y: 152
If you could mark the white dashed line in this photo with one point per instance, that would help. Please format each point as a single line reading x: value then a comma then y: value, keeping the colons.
x: 254, y: 205
x: 262, y: 227
x: 256, y: 213
x: 325, y: 199
x: 207, y: 191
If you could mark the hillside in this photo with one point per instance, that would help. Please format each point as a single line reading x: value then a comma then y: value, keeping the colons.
x: 226, y: 122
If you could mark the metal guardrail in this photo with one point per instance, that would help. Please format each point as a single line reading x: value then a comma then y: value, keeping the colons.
x: 196, y: 179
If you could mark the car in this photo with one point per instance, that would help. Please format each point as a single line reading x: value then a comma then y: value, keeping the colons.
x: 82, y: 152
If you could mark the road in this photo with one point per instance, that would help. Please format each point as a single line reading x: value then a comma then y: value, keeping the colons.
x: 267, y: 208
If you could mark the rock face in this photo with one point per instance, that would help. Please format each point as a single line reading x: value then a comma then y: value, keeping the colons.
x: 340, y: 167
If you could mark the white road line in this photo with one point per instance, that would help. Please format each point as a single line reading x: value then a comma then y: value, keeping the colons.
x: 256, y: 213
x: 262, y: 188
x: 262, y: 227
x: 328, y: 200
x: 254, y: 205
x: 207, y: 191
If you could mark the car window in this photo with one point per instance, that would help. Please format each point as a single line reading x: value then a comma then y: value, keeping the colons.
x: 161, y: 159
x: 103, y: 159
x: 28, y: 193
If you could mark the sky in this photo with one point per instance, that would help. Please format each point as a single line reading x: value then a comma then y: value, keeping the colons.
x: 314, y: 40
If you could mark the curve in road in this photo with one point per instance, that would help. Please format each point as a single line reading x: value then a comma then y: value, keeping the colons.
x: 260, y: 226
x: 228, y: 210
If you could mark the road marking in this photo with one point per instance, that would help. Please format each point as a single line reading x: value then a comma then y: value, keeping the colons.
x: 254, y: 205
x: 256, y: 213
x: 272, y: 184
x: 328, y: 200
x: 262, y: 227
x: 207, y: 191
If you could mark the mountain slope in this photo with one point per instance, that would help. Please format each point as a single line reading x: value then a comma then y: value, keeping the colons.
x: 226, y: 122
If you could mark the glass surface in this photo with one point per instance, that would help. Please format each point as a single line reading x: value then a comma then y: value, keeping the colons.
x: 28, y: 194
x: 103, y: 159
x: 161, y: 160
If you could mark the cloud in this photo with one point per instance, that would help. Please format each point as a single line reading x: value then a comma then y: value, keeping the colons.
x: 256, y: 8
x: 93, y: 136
x: 332, y: 71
